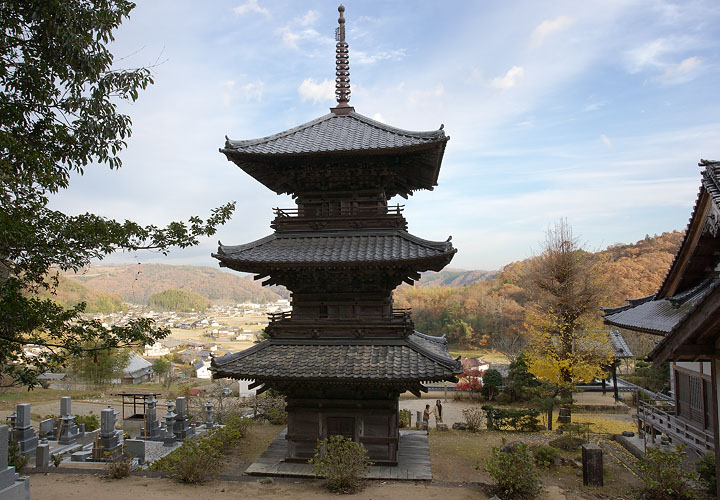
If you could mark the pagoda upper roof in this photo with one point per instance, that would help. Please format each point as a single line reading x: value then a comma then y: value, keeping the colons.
x: 332, y: 248
x: 333, y: 134
x: 332, y: 139
x: 413, y: 359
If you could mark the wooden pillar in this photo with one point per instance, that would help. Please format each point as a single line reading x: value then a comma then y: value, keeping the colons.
x: 614, y: 375
x: 714, y: 366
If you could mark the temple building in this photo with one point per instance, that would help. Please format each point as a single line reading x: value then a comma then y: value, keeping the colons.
x: 685, y: 314
x: 344, y: 354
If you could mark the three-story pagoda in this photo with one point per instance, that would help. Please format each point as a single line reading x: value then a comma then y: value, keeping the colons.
x: 344, y: 354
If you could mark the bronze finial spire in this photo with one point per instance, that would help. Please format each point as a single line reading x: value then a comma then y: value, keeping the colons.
x: 342, y: 68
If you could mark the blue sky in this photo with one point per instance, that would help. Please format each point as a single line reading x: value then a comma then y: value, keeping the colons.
x: 597, y: 111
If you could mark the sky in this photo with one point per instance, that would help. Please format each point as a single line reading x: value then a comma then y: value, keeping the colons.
x: 593, y: 111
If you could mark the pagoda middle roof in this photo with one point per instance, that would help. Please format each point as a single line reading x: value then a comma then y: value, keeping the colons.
x: 334, y: 133
x: 330, y: 248
x: 416, y: 358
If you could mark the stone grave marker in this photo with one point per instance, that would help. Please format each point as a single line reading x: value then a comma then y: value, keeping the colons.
x: 110, y: 440
x: 170, y: 424
x: 69, y: 431
x: 152, y: 424
x: 11, y: 485
x: 47, y: 427
x: 592, y: 465
x: 23, y: 431
x: 182, y: 427
x: 42, y: 456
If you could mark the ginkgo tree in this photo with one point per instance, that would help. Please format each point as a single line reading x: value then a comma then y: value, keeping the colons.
x: 565, y: 345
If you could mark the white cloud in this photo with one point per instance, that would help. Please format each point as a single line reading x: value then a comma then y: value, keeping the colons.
x: 227, y: 88
x: 379, y: 55
x: 510, y: 79
x: 317, y: 91
x: 423, y: 96
x: 251, y: 6
x: 548, y: 27
x: 682, y: 72
x: 648, y: 55
x: 253, y: 91
x: 378, y: 117
x: 309, y: 18
x: 606, y: 140
x: 594, y: 106
x: 291, y: 38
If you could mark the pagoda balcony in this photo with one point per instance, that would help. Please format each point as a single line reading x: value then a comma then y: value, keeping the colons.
x: 287, y: 325
x: 297, y: 219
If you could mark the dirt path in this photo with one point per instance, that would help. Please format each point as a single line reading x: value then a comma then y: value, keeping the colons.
x: 72, y: 487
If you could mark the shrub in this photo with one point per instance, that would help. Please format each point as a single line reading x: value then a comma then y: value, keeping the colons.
x: 503, y: 398
x: 276, y: 416
x: 91, y: 422
x: 342, y: 462
x: 546, y: 455
x: 664, y: 476
x: 567, y: 443
x: 15, y: 459
x: 404, y: 420
x: 118, y: 465
x: 200, y: 459
x: 511, y: 419
x: 473, y: 419
x: 514, y: 471
x: 706, y: 469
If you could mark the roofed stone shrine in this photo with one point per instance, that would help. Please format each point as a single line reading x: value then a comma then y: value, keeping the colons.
x: 344, y: 354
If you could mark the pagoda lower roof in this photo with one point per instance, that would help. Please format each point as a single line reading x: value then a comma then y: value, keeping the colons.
x: 416, y: 358
x: 383, y: 248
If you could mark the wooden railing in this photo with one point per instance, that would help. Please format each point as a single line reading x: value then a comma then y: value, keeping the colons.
x: 661, y: 418
x: 340, y: 211
x: 397, y: 314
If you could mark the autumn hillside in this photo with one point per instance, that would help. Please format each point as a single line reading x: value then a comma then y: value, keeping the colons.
x: 491, y: 312
x: 135, y: 283
x: 69, y: 293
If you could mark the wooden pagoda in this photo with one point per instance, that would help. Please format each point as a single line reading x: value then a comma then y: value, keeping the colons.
x: 344, y: 354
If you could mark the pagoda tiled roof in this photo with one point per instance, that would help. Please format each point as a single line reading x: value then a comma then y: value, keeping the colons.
x: 330, y: 248
x: 416, y: 358
x: 334, y: 133
x: 660, y: 316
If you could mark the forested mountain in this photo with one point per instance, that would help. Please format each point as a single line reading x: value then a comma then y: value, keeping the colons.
x: 491, y: 312
x: 135, y: 283
x: 69, y: 293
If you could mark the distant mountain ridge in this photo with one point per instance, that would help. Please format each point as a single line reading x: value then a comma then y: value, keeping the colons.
x: 135, y: 283
x: 454, y: 277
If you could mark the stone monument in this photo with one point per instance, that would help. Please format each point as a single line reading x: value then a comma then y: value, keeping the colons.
x: 22, y: 432
x: 152, y: 430
x: 592, y: 465
x: 12, y: 487
x: 68, y: 432
x: 182, y: 427
x: 110, y: 440
x: 209, y: 414
x: 169, y: 438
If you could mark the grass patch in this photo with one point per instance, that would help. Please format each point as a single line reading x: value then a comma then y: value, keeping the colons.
x: 489, y: 355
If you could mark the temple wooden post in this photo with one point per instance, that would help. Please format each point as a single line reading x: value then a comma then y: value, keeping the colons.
x: 714, y: 367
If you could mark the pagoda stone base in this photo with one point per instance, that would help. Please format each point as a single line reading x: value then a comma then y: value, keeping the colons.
x: 372, y: 423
